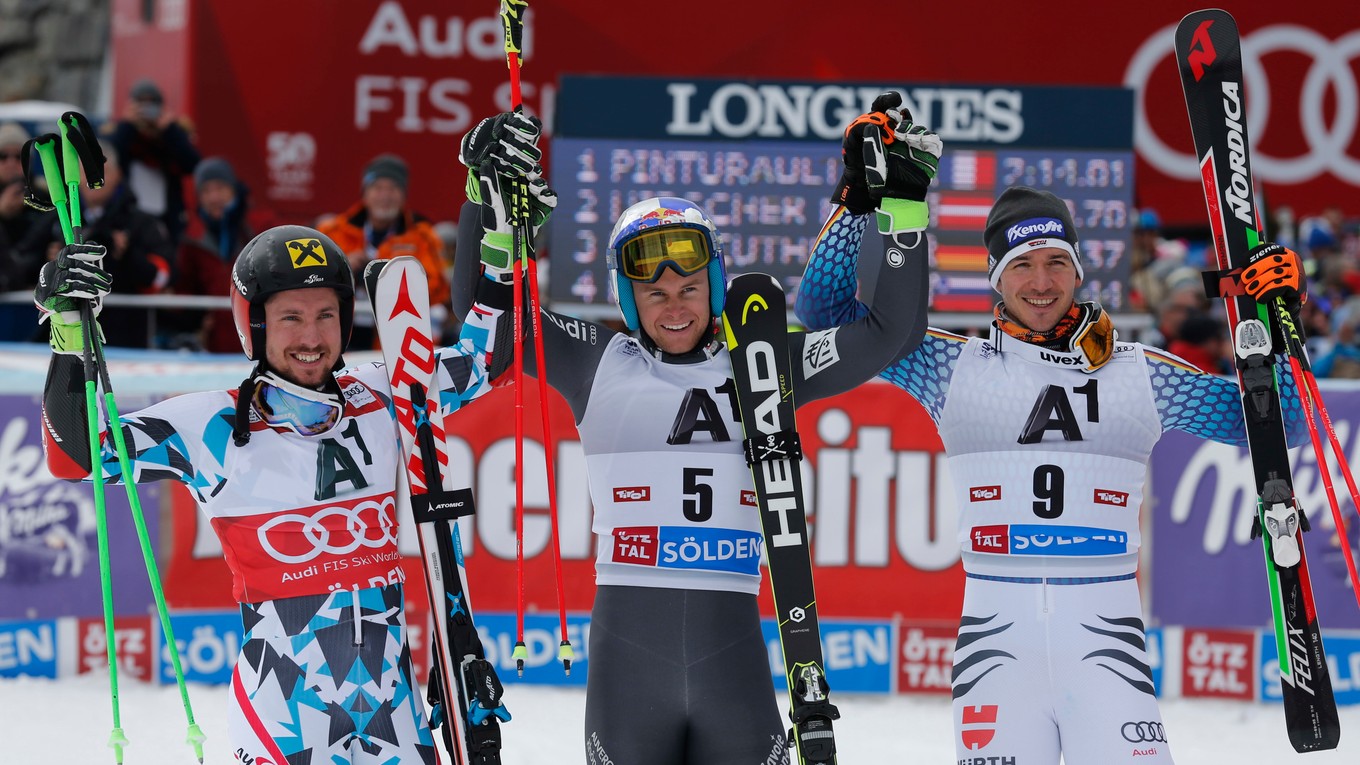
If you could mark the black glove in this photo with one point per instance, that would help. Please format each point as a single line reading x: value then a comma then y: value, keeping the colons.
x: 63, y: 283
x: 1275, y: 271
x: 509, y: 140
x: 901, y: 164
x: 851, y: 190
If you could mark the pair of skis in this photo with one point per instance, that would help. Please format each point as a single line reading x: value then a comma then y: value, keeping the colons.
x: 1208, y: 52
x: 465, y: 689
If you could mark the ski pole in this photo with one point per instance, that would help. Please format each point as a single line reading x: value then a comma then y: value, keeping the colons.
x: 46, y: 146
x: 1310, y: 396
x: 80, y: 148
x: 512, y: 16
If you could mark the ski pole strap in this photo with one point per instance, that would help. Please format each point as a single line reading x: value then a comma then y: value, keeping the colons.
x: 769, y: 447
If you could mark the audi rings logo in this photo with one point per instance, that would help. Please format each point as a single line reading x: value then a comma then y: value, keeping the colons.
x: 1143, y: 732
x: 1330, y: 71
x: 334, y: 530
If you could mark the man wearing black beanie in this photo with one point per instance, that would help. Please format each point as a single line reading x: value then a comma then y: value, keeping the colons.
x: 1048, y: 423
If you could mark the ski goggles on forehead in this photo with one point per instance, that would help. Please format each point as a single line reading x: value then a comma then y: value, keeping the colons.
x: 305, y: 412
x: 643, y: 257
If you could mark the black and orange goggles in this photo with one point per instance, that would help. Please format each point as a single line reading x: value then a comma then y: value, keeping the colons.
x: 645, y: 256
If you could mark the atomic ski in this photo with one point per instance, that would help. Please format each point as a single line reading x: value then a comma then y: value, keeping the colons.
x: 757, y: 340
x: 464, y: 685
x: 1209, y: 55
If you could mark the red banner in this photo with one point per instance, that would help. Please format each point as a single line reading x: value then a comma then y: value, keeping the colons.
x: 881, y: 518
x: 1219, y: 664
x: 300, y: 95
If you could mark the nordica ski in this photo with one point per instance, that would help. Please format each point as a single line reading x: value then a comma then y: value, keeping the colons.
x: 1209, y: 55
x: 757, y: 340
x: 464, y: 687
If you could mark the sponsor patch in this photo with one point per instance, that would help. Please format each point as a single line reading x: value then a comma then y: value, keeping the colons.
x: 632, y: 494
x: 636, y: 545
x: 306, y: 253
x: 819, y: 352
x: 977, y: 736
x: 1108, y: 497
x: 1035, y: 227
x: 991, y: 539
x: 984, y: 493
x: 1066, y: 540
x: 358, y: 394
x: 748, y: 498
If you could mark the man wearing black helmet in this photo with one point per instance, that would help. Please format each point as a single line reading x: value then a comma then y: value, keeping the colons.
x: 297, y: 472
x: 1048, y: 424
x: 679, y: 673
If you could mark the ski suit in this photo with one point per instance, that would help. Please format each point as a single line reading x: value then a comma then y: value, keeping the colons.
x: 1048, y: 465
x: 308, y: 527
x: 679, y: 672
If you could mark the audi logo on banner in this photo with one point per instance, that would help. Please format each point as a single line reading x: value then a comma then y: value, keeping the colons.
x: 1325, y: 143
x: 1143, y: 732
x: 335, y: 530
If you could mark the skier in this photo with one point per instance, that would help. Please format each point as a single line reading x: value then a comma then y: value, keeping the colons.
x: 297, y: 471
x: 1048, y: 423
x: 678, y: 667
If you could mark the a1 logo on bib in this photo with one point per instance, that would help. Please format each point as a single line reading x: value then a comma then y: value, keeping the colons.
x: 306, y: 253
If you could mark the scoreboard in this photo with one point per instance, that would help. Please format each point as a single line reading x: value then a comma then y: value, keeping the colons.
x: 769, y: 195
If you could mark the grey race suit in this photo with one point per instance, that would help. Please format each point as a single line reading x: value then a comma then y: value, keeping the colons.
x: 678, y: 668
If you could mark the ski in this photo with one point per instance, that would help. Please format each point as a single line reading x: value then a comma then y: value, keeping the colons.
x: 464, y: 687
x: 1208, y: 53
x: 757, y: 340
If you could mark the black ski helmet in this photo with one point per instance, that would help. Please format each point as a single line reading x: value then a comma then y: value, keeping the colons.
x: 281, y: 259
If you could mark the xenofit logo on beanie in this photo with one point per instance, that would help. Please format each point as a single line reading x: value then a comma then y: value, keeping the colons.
x: 1028, y: 229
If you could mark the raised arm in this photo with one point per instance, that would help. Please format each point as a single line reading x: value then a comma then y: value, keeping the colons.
x: 889, y: 164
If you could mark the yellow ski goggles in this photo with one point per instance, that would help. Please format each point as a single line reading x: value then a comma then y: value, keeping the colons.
x: 645, y: 256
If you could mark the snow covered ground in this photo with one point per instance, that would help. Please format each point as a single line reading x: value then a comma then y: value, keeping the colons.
x: 42, y: 721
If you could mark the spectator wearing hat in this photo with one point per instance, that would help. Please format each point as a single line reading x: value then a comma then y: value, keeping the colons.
x: 380, y: 227
x: 158, y: 153
x: 21, y: 229
x: 214, y: 238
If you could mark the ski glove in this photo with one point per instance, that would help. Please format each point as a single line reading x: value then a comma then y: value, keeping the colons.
x: 496, y: 198
x: 1275, y: 271
x: 508, y: 140
x: 75, y: 275
x: 851, y: 190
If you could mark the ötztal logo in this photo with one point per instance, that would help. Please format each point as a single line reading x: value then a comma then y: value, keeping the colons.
x: 984, y: 493
x: 633, y: 494
x: 1107, y: 497
x: 1026, y: 229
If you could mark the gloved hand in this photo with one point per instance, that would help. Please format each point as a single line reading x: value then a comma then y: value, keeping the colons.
x: 851, y: 190
x: 498, y: 238
x: 508, y: 140
x: 898, y: 168
x: 76, y: 274
x: 1275, y: 271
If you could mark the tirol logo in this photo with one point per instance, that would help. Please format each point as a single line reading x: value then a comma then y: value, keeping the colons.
x: 1107, y: 497
x: 984, y: 493
x: 748, y: 498
x: 1028, y: 229
x: 632, y: 494
x: 306, y: 252
x: 978, y: 737
x: 1236, y: 193
x: 1202, y: 52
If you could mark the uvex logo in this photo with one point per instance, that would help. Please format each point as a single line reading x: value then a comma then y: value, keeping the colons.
x: 1053, y: 358
x: 1107, y: 497
x: 632, y: 494
x: 1202, y: 52
x: 984, y: 493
